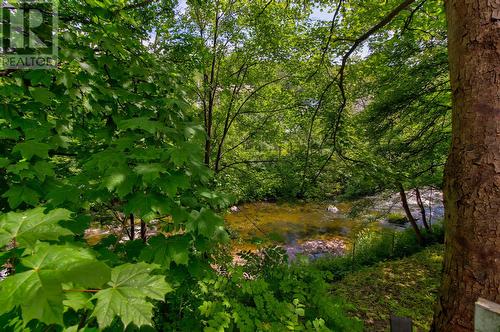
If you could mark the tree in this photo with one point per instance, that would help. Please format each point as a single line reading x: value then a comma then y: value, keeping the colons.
x: 404, y: 127
x: 108, y: 128
x: 472, y: 175
x: 234, y: 53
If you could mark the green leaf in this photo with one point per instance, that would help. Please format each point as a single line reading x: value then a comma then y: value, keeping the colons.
x: 180, y: 155
x: 67, y: 79
x: 33, y: 225
x: 31, y: 148
x: 149, y: 172
x: 171, y: 183
x: 89, y: 68
x: 18, y: 194
x: 77, y: 300
x: 130, y: 287
x: 4, y: 162
x: 39, y: 76
x: 114, y: 180
x: 9, y: 134
x: 127, y: 186
x: 163, y: 251
x: 61, y: 193
x: 42, y: 95
x: 19, y: 167
x: 207, y: 223
x: 43, y: 169
x: 147, y: 205
x: 143, y: 123
x: 38, y: 291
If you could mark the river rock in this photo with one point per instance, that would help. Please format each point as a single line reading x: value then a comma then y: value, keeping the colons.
x: 4, y: 273
x: 332, y: 209
x: 317, y: 248
x: 234, y: 208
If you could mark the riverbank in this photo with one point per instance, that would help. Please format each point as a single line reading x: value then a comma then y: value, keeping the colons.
x: 406, y: 287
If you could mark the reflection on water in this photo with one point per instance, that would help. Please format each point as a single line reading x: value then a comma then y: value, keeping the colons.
x: 294, y: 225
x: 288, y: 223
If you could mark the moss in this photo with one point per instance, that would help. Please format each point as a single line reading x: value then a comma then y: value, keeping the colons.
x: 406, y: 287
x: 397, y: 218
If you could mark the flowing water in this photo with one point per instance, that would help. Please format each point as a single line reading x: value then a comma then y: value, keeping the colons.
x: 310, y: 228
x: 289, y: 224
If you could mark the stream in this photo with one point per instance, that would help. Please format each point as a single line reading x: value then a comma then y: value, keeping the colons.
x: 313, y: 229
x: 322, y: 228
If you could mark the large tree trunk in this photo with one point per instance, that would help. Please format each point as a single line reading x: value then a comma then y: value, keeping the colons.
x: 472, y: 176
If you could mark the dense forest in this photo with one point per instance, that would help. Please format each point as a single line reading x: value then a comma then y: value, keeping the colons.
x: 249, y: 165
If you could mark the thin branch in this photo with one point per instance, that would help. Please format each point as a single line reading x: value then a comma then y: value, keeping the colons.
x: 264, y: 9
x: 341, y: 74
x: 410, y: 17
x: 329, y: 40
x: 386, y: 20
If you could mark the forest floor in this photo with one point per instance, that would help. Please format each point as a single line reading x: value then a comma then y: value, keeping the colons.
x: 406, y: 288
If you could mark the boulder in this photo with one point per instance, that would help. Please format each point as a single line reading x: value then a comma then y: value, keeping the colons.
x: 332, y: 209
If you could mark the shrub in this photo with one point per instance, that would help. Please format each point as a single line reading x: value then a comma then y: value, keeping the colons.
x: 264, y: 294
x: 375, y: 245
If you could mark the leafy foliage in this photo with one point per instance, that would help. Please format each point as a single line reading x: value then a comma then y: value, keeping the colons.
x: 39, y: 290
x: 130, y: 285
x: 88, y: 138
x: 28, y: 227
x: 263, y: 294
x: 150, y: 112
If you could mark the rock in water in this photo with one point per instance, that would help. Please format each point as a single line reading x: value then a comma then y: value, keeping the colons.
x: 234, y: 208
x: 332, y: 209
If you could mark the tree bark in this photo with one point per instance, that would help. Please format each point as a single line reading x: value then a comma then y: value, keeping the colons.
x: 422, y: 209
x: 409, y: 216
x: 211, y: 85
x: 132, y: 227
x: 143, y: 231
x: 472, y: 174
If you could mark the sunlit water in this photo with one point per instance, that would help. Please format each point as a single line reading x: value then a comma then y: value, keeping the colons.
x: 304, y: 227
x: 262, y: 223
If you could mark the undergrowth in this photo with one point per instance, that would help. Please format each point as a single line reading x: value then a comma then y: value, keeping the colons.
x: 406, y: 288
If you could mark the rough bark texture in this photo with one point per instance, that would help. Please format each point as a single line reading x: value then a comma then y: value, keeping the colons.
x: 472, y: 176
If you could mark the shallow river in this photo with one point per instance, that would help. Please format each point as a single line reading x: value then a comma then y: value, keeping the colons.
x: 312, y: 228
x: 263, y: 223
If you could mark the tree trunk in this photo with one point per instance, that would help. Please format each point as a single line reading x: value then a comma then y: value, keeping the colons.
x: 143, y: 231
x: 409, y: 216
x: 212, y: 90
x: 132, y: 227
x: 472, y: 175
x: 422, y: 209
x: 208, y: 146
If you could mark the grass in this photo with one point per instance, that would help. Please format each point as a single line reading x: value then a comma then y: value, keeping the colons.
x: 406, y: 287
